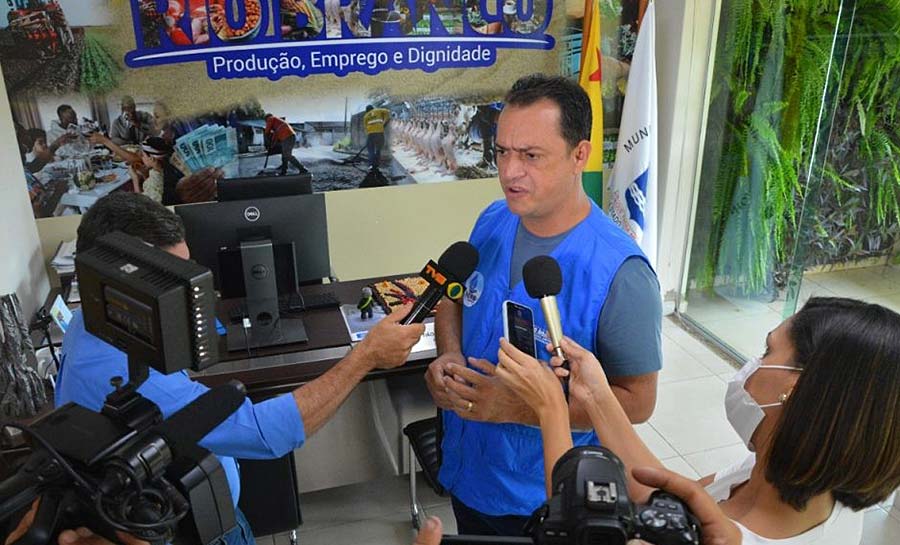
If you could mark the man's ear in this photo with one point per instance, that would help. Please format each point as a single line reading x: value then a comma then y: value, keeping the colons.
x: 581, y: 153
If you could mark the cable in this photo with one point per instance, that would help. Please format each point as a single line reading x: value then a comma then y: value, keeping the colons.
x: 53, y: 452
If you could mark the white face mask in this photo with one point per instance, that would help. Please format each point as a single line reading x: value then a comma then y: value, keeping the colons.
x: 742, y: 411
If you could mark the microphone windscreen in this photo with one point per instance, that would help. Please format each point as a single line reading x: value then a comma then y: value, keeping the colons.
x: 542, y: 276
x: 459, y: 260
x: 195, y: 420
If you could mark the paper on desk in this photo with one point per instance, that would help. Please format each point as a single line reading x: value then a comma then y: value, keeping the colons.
x: 357, y: 328
x: 64, y: 260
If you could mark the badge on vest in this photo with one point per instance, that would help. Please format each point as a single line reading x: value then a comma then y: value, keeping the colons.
x: 474, y: 288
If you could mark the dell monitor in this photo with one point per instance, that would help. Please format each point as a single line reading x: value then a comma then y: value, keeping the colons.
x: 264, y: 187
x: 257, y: 249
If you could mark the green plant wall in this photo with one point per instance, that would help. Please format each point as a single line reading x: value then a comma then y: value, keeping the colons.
x: 773, y: 63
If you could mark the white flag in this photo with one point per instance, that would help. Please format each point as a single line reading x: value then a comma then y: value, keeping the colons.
x: 632, y: 186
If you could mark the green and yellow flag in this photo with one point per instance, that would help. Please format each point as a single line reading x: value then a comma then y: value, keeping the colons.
x: 590, y: 79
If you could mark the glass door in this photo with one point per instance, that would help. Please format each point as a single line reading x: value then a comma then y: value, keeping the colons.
x: 799, y: 180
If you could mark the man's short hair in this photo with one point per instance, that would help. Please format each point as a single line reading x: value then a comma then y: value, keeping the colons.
x: 128, y: 101
x: 369, y: 108
x: 134, y: 214
x: 63, y: 108
x: 573, y: 103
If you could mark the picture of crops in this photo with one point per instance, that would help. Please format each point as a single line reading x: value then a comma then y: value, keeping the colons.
x: 100, y: 73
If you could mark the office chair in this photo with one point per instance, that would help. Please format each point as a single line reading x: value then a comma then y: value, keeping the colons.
x: 425, y: 448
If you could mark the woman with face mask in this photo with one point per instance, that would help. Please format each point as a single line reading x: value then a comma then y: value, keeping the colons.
x: 819, y: 412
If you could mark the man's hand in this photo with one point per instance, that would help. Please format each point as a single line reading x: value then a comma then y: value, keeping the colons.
x: 83, y: 536
x: 388, y: 344
x: 438, y: 372
x: 483, y: 397
x: 715, y: 527
x: 199, y: 186
x: 430, y: 534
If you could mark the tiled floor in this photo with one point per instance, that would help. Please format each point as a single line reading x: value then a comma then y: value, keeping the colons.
x: 742, y: 323
x: 688, y: 432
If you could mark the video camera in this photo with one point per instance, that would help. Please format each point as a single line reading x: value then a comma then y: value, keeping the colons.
x: 125, y: 468
x: 590, y: 506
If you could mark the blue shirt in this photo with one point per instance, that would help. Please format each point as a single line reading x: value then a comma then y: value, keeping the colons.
x: 497, y: 469
x: 269, y: 429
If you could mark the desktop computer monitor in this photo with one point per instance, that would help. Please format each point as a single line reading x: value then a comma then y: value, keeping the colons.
x: 263, y: 187
x: 258, y: 248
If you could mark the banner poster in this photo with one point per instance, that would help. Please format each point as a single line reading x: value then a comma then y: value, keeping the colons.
x: 127, y: 95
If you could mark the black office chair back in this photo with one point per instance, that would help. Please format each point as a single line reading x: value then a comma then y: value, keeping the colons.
x: 425, y: 436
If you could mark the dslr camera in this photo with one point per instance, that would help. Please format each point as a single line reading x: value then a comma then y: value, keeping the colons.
x: 125, y: 468
x: 590, y: 506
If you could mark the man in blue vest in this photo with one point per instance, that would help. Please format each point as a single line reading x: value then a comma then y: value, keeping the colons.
x: 492, y: 458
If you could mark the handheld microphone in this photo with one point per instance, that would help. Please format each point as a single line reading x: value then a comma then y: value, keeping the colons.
x: 543, y: 281
x: 445, y: 278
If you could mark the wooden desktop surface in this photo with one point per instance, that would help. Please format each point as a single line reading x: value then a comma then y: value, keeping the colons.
x: 273, y: 370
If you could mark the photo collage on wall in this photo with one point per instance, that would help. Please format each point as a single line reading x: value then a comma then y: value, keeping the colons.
x: 98, y: 86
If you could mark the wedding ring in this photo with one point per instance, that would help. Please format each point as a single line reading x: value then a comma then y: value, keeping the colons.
x: 469, y: 407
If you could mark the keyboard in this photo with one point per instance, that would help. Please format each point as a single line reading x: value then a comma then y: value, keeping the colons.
x: 290, y: 303
x: 296, y: 302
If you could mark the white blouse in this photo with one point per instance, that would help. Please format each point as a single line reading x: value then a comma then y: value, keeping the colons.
x: 843, y: 527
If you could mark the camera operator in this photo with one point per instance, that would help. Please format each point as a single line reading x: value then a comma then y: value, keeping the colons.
x: 269, y: 429
x: 818, y: 411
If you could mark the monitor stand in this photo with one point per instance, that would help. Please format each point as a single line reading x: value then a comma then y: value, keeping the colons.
x: 266, y: 325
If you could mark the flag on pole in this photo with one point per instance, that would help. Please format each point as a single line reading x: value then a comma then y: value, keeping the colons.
x: 589, y: 78
x: 632, y: 185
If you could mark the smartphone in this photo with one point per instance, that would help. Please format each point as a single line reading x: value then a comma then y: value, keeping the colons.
x: 518, y: 327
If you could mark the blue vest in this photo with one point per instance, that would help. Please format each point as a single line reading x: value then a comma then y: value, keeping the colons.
x: 498, y: 469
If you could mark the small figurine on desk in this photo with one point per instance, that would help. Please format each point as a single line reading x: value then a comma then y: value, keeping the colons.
x: 366, y: 304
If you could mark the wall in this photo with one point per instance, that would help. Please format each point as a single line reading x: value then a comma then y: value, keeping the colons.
x: 685, y: 34
x: 372, y: 232
x: 382, y: 231
x: 22, y: 265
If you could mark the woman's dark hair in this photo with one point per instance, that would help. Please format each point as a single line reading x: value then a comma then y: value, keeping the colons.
x: 840, y: 428
x: 573, y: 103
x: 134, y: 214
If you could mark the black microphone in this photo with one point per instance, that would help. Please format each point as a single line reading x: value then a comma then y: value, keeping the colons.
x: 194, y: 421
x: 543, y: 281
x: 445, y: 278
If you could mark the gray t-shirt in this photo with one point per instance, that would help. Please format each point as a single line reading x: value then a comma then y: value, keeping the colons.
x: 629, y: 329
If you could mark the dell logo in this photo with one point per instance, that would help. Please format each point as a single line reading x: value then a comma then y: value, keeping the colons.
x: 251, y: 213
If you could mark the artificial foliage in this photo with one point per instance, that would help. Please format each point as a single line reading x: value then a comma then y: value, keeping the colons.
x: 772, y: 141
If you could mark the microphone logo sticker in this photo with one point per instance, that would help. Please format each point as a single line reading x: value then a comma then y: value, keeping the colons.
x: 454, y: 291
x: 474, y: 288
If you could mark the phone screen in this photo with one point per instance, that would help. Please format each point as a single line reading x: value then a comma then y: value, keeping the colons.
x: 519, y: 326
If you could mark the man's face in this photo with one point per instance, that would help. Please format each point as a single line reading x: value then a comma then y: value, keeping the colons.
x: 129, y: 110
x: 68, y: 117
x: 538, y: 170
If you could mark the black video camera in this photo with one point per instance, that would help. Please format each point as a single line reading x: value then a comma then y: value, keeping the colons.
x: 125, y: 468
x: 590, y: 506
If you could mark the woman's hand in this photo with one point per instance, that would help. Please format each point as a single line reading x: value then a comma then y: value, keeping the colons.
x: 715, y: 526
x: 530, y: 379
x: 587, y: 381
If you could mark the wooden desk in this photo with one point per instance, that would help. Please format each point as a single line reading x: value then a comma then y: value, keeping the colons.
x: 273, y: 370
